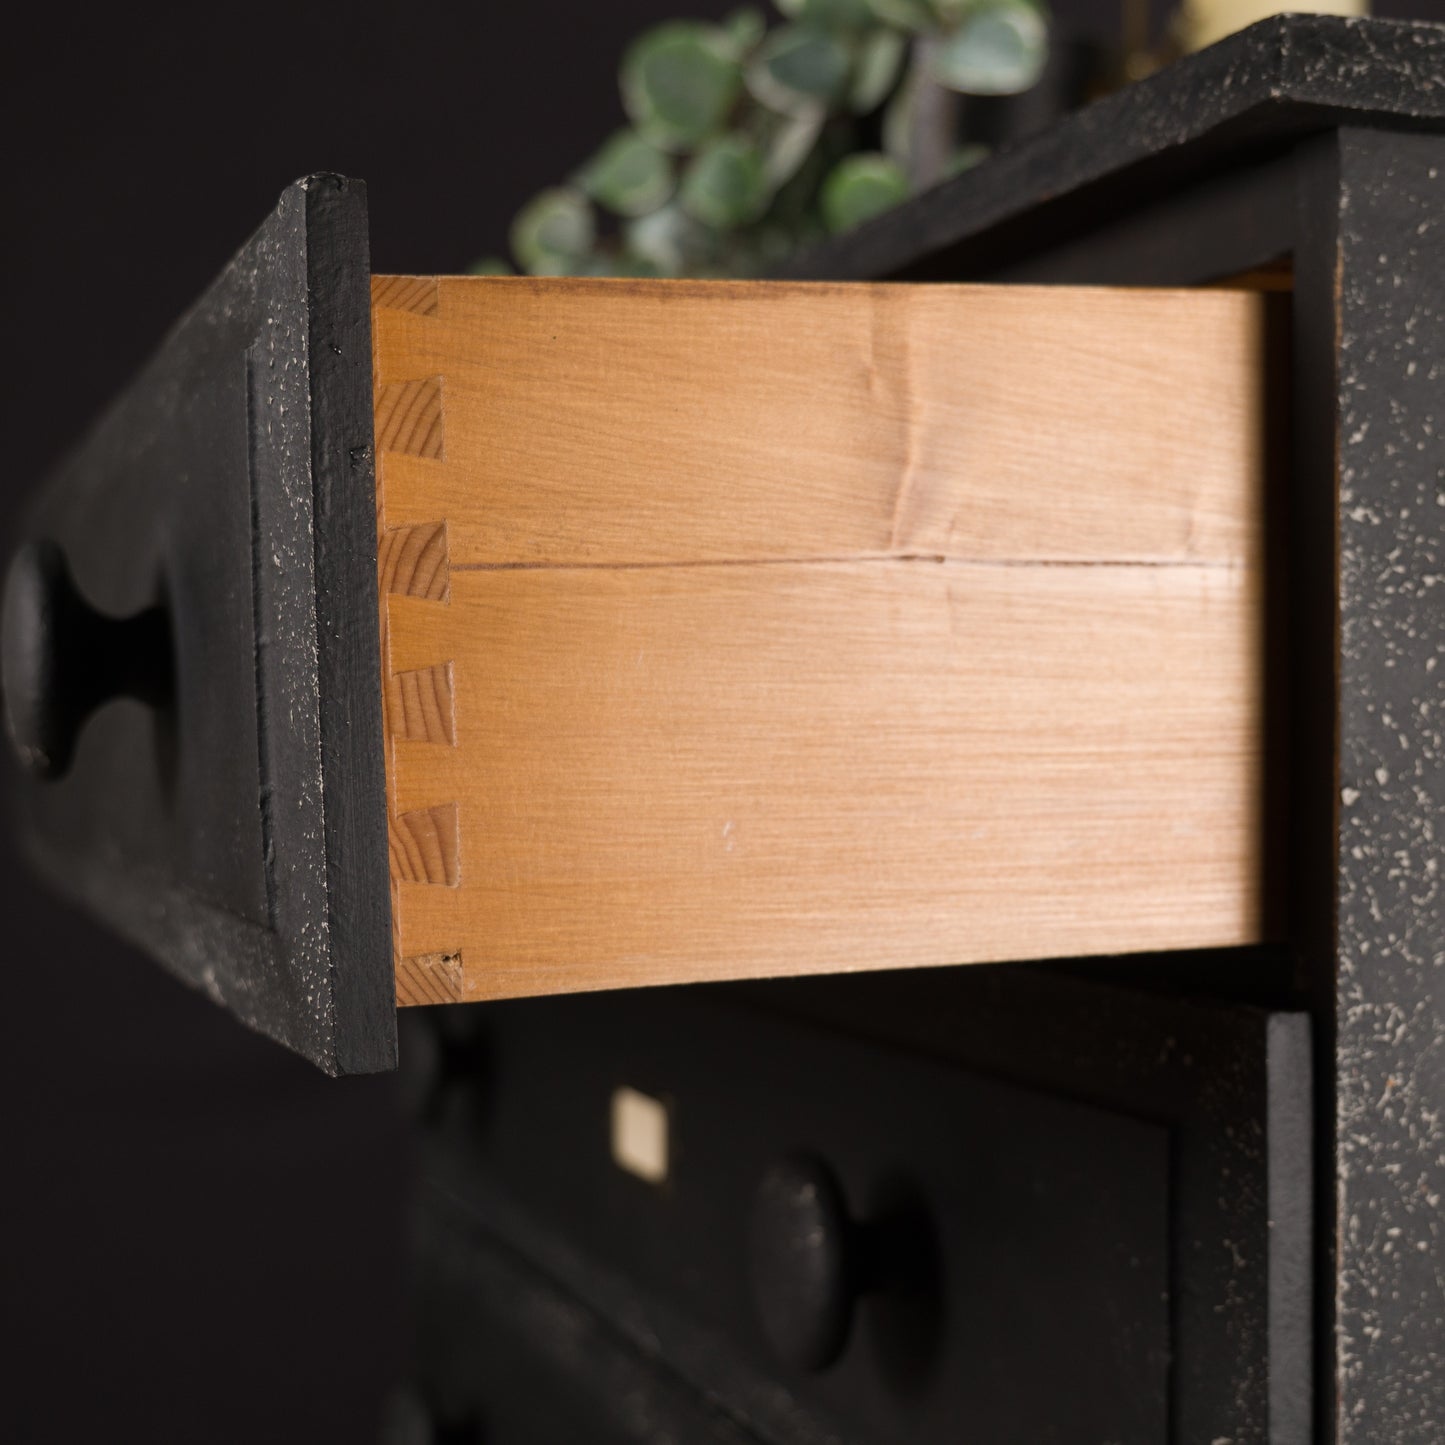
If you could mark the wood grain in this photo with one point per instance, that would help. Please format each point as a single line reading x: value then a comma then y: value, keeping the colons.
x: 405, y: 293
x: 630, y: 422
x: 409, y: 417
x: 421, y: 705
x: 787, y: 628
x: 413, y: 561
x: 425, y: 846
x: 429, y: 978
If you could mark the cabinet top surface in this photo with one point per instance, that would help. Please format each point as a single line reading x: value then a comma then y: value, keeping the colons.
x: 1252, y: 95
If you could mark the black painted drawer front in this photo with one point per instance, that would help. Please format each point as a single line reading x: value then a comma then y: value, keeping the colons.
x: 234, y: 827
x: 1041, y: 1247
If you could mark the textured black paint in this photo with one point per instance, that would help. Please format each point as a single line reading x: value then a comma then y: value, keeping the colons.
x: 1233, y: 1085
x: 1101, y: 1198
x: 239, y: 834
x: 1230, y: 159
x: 1389, y: 973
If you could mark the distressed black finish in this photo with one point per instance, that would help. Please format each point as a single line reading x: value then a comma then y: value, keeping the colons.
x: 1233, y: 160
x: 1304, y: 1297
x: 1376, y: 898
x: 1047, y: 1178
x: 1231, y: 1082
x: 238, y: 829
x: 1251, y: 153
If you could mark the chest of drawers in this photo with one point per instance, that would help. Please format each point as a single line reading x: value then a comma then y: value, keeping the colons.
x: 1048, y: 570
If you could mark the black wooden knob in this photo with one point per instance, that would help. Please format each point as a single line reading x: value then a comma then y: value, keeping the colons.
x: 803, y: 1263
x: 61, y: 659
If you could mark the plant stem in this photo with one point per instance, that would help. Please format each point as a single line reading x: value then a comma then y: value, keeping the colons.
x: 934, y: 130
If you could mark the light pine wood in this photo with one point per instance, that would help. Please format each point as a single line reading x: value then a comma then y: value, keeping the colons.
x: 736, y: 629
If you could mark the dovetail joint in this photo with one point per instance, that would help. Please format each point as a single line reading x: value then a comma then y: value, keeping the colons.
x: 429, y: 978
x: 409, y: 418
x: 417, y: 294
x: 426, y: 846
x: 414, y: 562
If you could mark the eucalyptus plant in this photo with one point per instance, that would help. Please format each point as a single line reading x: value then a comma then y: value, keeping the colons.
x: 747, y: 141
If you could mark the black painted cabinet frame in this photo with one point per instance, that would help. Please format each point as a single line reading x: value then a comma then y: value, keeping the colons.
x: 1311, y: 149
x: 1319, y: 142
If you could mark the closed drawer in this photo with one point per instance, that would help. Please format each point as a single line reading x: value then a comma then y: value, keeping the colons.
x: 404, y: 640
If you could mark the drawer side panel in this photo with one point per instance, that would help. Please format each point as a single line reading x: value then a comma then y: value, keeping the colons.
x: 789, y: 629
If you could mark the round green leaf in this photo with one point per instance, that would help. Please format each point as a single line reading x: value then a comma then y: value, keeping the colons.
x: 726, y: 185
x: 861, y: 187
x: 898, y: 120
x: 489, y: 266
x: 628, y: 175
x: 744, y: 28
x: 798, y: 67
x: 829, y: 14
x: 553, y: 233
x: 948, y: 13
x: 669, y: 240
x: 767, y: 248
x: 596, y: 263
x: 999, y: 49
x: 880, y: 57
x: 679, y: 82
x: 912, y: 15
x: 788, y: 141
x: 628, y: 264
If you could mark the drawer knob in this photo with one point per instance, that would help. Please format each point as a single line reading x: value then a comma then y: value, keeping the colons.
x: 61, y: 659
x: 803, y: 1262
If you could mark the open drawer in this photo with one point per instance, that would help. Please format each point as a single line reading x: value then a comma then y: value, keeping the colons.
x: 493, y: 637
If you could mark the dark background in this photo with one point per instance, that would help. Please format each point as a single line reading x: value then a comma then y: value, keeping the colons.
x: 201, y: 1238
